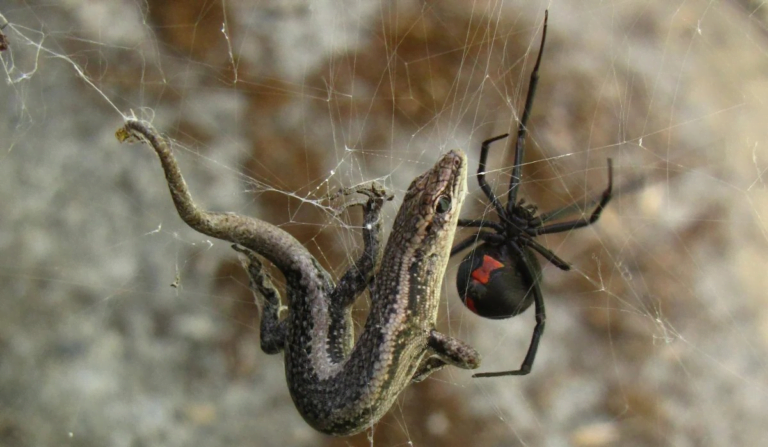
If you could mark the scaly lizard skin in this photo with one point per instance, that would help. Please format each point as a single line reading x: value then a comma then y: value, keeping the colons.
x: 338, y: 387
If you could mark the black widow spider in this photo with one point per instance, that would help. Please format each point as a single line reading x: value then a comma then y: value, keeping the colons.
x: 500, y: 277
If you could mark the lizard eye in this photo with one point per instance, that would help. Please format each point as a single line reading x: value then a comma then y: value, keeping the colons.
x: 443, y: 204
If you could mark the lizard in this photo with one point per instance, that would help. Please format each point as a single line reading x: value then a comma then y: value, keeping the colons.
x: 338, y: 386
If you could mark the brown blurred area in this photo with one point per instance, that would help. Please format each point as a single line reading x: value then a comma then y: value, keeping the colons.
x: 656, y: 337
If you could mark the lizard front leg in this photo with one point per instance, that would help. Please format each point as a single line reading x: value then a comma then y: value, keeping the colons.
x: 359, y: 275
x: 445, y: 350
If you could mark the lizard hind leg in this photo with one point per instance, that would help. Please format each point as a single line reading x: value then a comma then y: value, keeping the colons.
x: 273, y: 331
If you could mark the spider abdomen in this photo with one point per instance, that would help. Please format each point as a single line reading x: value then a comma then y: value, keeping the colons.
x: 493, y: 284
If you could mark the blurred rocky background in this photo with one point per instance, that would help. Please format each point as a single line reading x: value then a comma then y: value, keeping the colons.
x: 656, y: 337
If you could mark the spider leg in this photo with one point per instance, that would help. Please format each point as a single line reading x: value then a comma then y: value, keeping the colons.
x: 477, y: 237
x: 577, y: 206
x: 558, y: 213
x: 522, y: 129
x: 541, y: 318
x: 549, y: 255
x: 475, y: 223
x: 583, y: 222
x: 481, y: 173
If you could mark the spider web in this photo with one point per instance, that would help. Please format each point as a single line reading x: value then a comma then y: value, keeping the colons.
x: 121, y: 326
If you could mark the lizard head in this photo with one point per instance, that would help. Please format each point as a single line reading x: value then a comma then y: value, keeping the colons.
x: 426, y: 221
x: 419, y: 245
